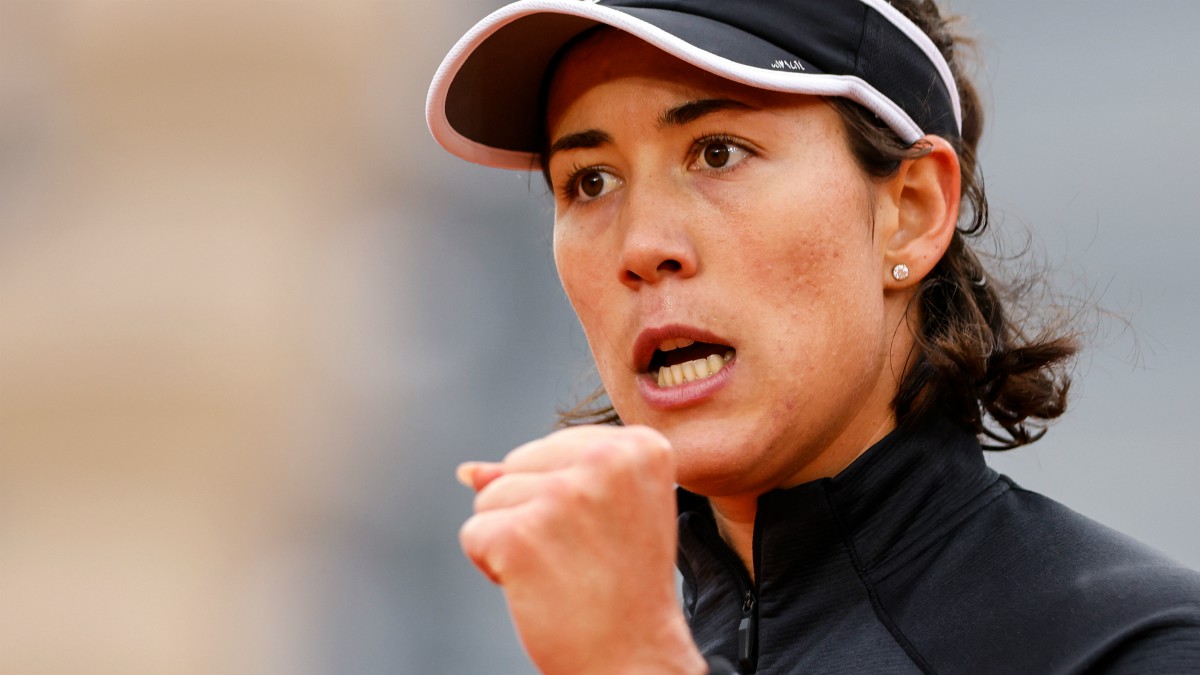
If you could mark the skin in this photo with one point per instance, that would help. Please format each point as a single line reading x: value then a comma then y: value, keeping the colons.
x: 784, y: 249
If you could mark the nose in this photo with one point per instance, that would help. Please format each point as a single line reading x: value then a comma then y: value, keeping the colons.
x: 657, y: 243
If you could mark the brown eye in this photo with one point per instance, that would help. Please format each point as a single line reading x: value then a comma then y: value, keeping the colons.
x: 716, y: 155
x: 720, y: 154
x: 591, y: 184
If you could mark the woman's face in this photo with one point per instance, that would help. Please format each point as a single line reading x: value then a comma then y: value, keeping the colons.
x: 726, y: 234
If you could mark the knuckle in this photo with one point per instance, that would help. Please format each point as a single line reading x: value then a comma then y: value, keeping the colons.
x: 655, y: 450
x: 555, y: 487
x: 470, y: 537
x: 482, y: 501
x: 650, y: 440
x: 492, y: 495
x: 563, y: 496
x: 597, y: 453
x: 488, y: 545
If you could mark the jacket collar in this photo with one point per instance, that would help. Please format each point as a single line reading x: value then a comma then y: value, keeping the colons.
x: 901, y: 493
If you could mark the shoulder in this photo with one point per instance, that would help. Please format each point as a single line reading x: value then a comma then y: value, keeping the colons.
x: 1027, y: 582
x: 1099, y: 565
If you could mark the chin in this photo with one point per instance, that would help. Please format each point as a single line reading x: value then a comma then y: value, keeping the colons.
x: 713, y: 459
x: 719, y: 450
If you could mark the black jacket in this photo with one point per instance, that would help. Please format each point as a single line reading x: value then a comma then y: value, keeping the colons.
x: 920, y: 558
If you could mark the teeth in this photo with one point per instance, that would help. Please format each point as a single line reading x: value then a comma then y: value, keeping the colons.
x: 675, y: 343
x: 689, y: 370
x: 673, y: 376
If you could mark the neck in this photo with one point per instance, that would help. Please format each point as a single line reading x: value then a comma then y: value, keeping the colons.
x: 735, y: 514
x: 735, y: 523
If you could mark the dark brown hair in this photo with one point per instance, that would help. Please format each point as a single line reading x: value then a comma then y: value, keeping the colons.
x: 972, y: 360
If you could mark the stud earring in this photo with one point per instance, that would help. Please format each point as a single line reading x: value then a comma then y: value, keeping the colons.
x: 900, y: 272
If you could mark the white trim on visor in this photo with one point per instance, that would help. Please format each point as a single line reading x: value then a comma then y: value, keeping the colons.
x: 843, y: 86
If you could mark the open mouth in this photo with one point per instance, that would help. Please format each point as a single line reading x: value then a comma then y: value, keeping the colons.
x: 678, y: 361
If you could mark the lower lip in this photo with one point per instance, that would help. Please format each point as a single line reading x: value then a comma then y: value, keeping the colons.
x: 684, y: 395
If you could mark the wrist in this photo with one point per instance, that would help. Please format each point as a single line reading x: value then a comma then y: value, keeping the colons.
x: 673, y: 652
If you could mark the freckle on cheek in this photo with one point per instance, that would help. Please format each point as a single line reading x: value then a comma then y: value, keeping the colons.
x: 809, y: 260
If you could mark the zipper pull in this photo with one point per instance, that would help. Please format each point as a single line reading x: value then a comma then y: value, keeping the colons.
x: 748, y: 635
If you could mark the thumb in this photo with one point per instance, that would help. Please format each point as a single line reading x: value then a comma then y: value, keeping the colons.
x: 477, y: 475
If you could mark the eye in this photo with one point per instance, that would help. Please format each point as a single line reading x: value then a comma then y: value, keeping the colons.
x: 719, y: 154
x: 590, y: 183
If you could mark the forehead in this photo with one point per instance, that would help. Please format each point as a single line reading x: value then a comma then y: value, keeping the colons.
x: 608, y: 56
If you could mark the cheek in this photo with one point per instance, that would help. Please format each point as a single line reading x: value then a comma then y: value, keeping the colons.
x: 579, y: 272
x: 570, y: 264
x: 810, y: 260
x: 816, y: 241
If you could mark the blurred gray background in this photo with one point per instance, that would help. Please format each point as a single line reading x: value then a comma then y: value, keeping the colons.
x: 251, y: 317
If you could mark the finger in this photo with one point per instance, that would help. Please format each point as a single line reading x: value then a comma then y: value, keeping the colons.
x: 639, y: 453
x: 569, y: 446
x: 494, y: 539
x: 553, y: 451
x: 648, y: 436
x: 516, y: 488
x: 477, y: 537
x: 477, y: 475
x: 549, y: 452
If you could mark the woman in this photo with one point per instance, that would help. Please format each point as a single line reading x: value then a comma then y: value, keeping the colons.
x: 761, y: 219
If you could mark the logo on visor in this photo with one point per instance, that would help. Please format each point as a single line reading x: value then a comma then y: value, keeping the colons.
x: 788, y: 65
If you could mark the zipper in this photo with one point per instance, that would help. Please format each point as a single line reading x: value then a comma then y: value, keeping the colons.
x: 747, y: 636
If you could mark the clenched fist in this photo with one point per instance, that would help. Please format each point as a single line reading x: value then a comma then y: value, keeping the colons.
x: 578, y: 529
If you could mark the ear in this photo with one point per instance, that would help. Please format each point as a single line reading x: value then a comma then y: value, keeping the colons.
x: 924, y: 195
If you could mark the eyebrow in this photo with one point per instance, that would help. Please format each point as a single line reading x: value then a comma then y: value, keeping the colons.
x: 592, y: 138
x: 677, y: 116
x: 686, y: 113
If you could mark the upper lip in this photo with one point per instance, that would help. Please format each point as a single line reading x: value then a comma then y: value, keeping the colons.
x: 650, y: 338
